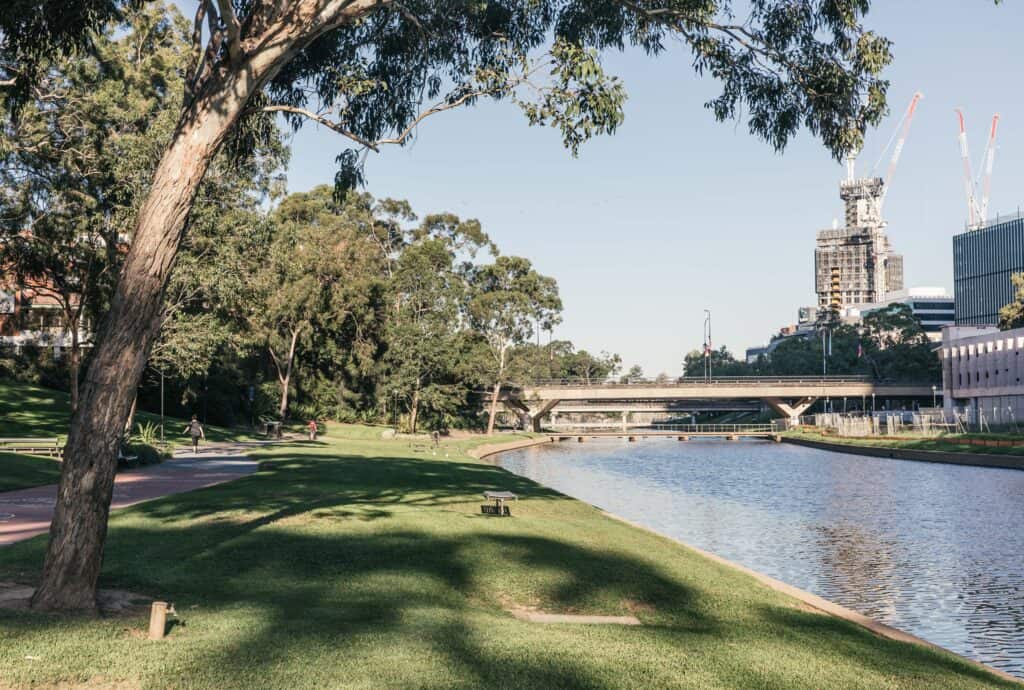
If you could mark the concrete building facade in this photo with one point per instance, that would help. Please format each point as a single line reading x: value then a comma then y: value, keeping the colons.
x: 983, y: 373
x: 933, y: 306
x: 983, y: 262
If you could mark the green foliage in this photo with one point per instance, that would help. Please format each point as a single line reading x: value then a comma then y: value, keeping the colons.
x: 148, y: 433
x: 1012, y: 315
x: 784, y: 65
x: 723, y: 363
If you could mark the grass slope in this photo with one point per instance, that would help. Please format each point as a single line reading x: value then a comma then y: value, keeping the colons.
x: 25, y: 471
x: 31, y: 411
x: 360, y: 563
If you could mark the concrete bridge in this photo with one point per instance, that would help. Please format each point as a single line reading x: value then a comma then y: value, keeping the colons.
x: 789, y: 396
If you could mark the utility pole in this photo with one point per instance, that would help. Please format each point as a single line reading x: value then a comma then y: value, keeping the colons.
x: 707, y: 345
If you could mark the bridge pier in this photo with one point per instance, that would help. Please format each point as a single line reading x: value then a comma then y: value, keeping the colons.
x: 791, y: 412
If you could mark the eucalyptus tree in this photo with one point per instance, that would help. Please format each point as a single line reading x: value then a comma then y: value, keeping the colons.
x: 425, y: 328
x: 374, y: 71
x: 507, y: 298
x: 75, y: 162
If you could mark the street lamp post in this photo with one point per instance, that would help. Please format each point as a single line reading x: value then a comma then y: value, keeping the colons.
x: 707, y: 345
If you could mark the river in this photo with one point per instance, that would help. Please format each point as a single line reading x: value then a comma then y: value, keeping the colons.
x: 935, y: 550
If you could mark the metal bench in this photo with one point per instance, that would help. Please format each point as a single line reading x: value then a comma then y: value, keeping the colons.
x: 499, y: 508
x: 32, y: 446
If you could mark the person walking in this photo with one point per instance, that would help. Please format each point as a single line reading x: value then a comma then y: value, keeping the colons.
x: 312, y: 429
x: 195, y: 430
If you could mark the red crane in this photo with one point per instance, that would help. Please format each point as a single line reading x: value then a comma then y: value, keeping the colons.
x: 977, y: 210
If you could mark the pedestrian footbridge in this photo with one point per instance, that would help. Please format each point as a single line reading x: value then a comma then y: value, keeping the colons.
x: 790, y: 396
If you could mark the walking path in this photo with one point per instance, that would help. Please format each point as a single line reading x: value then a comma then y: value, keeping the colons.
x: 26, y: 513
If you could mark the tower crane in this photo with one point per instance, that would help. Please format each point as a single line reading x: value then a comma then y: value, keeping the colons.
x: 899, y: 136
x: 977, y: 209
x: 908, y: 117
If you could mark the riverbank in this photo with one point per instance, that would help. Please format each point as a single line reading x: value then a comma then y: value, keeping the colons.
x: 922, y: 451
x: 361, y: 562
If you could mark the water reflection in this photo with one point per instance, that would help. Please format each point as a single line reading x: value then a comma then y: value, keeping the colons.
x: 936, y: 550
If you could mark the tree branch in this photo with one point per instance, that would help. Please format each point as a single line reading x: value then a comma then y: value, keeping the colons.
x: 310, y: 115
x: 233, y: 28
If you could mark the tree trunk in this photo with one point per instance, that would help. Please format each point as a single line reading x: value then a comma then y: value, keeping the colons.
x: 494, y: 407
x: 75, y: 364
x: 131, y: 414
x: 286, y: 377
x: 414, y: 408
x: 75, y: 552
x: 497, y: 389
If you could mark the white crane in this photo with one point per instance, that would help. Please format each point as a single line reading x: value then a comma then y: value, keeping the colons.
x: 908, y: 117
x: 977, y: 209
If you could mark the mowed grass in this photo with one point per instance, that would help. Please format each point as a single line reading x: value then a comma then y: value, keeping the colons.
x: 25, y: 471
x: 952, y: 443
x: 359, y: 563
x: 28, y: 411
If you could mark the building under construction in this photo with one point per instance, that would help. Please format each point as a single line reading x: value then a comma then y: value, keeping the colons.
x: 856, y: 264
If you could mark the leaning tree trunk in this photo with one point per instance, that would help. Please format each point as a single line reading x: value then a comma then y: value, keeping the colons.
x: 75, y: 552
x: 285, y: 377
x: 494, y: 408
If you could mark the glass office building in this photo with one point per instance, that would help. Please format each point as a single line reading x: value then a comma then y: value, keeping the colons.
x: 983, y: 261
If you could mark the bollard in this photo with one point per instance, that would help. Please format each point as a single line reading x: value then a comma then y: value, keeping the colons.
x: 158, y: 620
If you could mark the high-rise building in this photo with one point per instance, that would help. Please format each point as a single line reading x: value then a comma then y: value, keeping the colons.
x: 984, y: 259
x: 855, y: 264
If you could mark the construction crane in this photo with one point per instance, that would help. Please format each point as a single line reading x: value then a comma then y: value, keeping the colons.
x: 903, y: 130
x: 899, y: 136
x: 977, y: 209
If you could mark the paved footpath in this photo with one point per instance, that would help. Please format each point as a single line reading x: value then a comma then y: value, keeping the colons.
x: 28, y: 512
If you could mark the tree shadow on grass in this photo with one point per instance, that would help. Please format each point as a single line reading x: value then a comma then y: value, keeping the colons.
x: 297, y: 482
x: 872, y: 651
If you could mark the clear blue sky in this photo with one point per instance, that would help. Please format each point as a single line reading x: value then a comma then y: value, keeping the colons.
x: 677, y: 213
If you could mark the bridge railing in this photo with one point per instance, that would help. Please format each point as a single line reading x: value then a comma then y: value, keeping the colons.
x: 694, y: 381
x: 681, y: 429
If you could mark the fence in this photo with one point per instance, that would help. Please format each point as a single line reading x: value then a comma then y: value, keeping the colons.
x: 927, y: 422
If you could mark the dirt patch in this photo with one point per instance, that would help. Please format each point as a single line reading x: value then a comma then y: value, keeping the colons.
x: 113, y: 603
x: 535, y: 615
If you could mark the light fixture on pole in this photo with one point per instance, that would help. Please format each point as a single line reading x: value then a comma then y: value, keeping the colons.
x: 934, y: 390
x: 707, y: 345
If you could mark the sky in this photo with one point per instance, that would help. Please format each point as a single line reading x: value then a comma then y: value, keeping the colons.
x: 676, y: 213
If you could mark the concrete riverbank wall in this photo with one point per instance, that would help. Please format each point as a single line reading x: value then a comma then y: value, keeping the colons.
x: 1012, y: 462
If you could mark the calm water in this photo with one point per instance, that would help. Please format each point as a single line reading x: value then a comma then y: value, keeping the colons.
x: 936, y: 550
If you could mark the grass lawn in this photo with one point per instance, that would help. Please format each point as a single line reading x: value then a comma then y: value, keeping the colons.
x: 360, y: 563
x: 28, y: 411
x: 954, y: 443
x: 24, y: 471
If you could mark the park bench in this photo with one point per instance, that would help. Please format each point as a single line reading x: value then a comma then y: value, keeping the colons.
x: 499, y: 508
x: 32, y: 446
